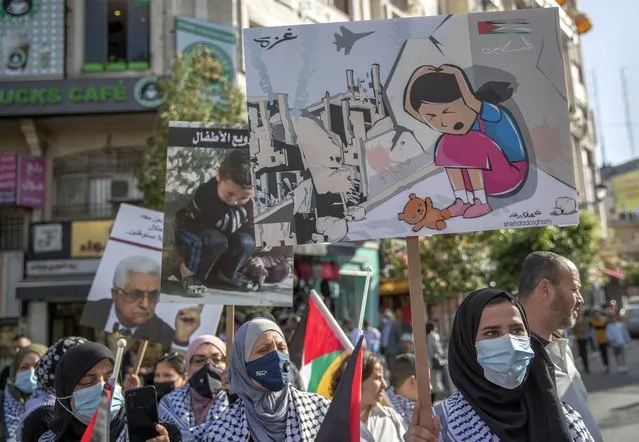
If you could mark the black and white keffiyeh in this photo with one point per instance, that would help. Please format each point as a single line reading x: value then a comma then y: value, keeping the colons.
x: 402, y: 405
x: 45, y: 368
x: 175, y: 408
x: 39, y: 398
x: 460, y: 422
x: 306, y: 412
x: 49, y: 436
x: 13, y: 409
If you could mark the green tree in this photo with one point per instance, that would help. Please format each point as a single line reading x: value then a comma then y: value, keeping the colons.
x: 510, y: 247
x: 450, y: 264
x: 187, y: 98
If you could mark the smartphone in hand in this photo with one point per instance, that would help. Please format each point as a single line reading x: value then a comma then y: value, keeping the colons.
x: 141, y: 413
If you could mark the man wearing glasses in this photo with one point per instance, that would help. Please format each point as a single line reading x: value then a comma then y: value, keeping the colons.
x: 131, y: 309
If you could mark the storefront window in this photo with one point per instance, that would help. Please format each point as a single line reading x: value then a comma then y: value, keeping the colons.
x: 64, y: 320
x: 91, y: 184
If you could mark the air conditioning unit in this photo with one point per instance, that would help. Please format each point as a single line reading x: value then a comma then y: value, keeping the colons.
x: 125, y: 189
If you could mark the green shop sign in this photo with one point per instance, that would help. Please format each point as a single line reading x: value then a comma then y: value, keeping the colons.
x: 66, y: 97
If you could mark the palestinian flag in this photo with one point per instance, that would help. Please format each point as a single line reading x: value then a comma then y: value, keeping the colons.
x: 99, y: 427
x: 318, y: 347
x: 500, y: 27
x: 342, y: 421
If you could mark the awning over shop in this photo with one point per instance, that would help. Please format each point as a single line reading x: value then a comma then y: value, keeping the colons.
x: 53, y: 289
x: 612, y: 273
x: 393, y: 287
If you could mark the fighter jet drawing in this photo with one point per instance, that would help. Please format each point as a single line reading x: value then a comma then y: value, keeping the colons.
x: 347, y: 39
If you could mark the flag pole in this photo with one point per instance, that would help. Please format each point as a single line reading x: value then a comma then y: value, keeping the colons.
x: 418, y: 316
x: 362, y: 309
x: 348, y: 345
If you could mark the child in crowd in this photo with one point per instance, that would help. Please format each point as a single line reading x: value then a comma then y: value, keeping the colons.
x: 403, y: 391
x: 213, y: 232
x: 618, y: 338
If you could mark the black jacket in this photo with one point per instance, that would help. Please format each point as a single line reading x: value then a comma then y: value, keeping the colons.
x: 96, y: 314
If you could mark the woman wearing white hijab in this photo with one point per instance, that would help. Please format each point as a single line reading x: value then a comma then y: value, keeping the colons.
x: 269, y: 409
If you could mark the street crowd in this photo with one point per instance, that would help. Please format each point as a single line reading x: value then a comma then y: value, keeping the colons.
x: 511, y: 370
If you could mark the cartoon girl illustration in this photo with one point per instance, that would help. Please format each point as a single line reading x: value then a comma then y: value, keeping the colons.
x: 481, y: 147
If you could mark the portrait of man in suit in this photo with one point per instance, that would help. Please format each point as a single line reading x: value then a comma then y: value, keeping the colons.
x: 130, y: 311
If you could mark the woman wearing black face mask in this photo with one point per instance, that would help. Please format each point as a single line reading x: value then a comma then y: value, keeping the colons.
x: 169, y: 373
x: 193, y: 406
x: 269, y: 409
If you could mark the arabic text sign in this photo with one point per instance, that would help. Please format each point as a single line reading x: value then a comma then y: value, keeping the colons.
x: 394, y: 128
x: 137, y: 225
x: 31, y: 181
x: 210, y: 138
x: 89, y: 238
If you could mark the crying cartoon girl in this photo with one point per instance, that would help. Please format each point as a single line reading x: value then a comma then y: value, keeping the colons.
x: 481, y: 147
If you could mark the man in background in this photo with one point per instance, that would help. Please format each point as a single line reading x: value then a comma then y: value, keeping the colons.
x: 549, y: 289
x: 372, y: 337
x: 391, y: 333
x: 580, y: 331
x: 19, y: 341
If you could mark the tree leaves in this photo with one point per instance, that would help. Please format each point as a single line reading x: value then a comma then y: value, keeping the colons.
x: 187, y: 98
x: 453, y: 264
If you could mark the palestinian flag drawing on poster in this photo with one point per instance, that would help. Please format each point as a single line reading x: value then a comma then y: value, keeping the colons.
x: 342, y: 421
x: 318, y: 347
x: 499, y: 27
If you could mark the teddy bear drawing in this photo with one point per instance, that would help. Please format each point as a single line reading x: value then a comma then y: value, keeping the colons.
x: 420, y: 213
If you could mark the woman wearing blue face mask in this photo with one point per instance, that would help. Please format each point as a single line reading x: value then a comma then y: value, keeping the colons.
x: 269, y: 409
x: 19, y: 388
x: 506, y: 390
x: 39, y: 407
x: 80, y: 377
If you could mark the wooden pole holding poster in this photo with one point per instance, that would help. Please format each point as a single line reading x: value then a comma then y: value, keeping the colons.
x: 230, y: 330
x: 138, y: 363
x: 418, y: 316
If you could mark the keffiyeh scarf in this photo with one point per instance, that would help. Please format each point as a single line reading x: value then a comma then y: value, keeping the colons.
x: 175, y: 408
x: 39, y: 398
x: 306, y: 412
x: 402, y: 405
x: 49, y: 436
x: 460, y: 422
x: 13, y: 409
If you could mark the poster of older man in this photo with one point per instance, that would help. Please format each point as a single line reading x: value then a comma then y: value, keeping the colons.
x: 125, y: 294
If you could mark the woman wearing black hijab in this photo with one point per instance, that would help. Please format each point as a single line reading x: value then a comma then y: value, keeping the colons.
x: 506, y: 390
x: 79, y: 380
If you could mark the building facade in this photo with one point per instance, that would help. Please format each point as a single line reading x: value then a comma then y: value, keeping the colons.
x: 78, y: 101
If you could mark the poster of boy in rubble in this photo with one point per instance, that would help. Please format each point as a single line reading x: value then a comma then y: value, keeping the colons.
x: 391, y: 128
x: 210, y: 252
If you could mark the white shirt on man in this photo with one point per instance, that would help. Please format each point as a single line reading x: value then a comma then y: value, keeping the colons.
x: 570, y: 387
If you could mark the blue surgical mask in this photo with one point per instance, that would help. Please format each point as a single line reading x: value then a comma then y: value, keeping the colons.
x: 86, y: 401
x: 26, y: 381
x: 505, y: 359
x: 272, y: 371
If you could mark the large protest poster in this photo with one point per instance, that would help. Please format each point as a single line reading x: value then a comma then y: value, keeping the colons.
x: 210, y: 250
x: 394, y: 128
x: 125, y: 294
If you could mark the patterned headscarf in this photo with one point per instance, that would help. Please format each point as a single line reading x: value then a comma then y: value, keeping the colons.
x: 45, y: 368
